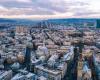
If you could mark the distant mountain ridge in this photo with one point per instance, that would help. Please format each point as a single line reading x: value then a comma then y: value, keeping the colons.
x: 55, y: 21
x: 74, y: 20
x: 4, y: 20
x: 49, y: 20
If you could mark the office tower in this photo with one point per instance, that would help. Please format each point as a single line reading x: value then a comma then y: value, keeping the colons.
x: 29, y: 47
x: 21, y: 30
x: 98, y: 23
x: 12, y: 33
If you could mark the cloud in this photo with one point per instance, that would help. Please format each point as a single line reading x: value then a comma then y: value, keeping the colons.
x: 49, y: 8
x: 24, y: 1
x: 24, y: 11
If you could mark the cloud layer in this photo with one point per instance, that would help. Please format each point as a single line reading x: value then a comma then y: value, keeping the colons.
x: 44, y: 9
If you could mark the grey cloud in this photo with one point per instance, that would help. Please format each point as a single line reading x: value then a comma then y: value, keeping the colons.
x: 45, y: 7
x: 86, y: 13
x: 62, y: 6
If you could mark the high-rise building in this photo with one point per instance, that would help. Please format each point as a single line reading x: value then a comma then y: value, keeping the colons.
x: 12, y: 33
x: 21, y: 30
x: 98, y: 23
x: 28, y: 55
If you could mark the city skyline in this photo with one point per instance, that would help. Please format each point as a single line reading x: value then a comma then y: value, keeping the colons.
x: 46, y: 9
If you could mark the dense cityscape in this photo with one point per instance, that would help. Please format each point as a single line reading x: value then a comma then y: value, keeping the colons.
x: 50, y: 51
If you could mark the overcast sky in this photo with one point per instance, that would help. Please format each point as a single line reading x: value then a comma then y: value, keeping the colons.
x: 44, y: 9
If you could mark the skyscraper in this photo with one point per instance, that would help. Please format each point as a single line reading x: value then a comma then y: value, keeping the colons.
x: 98, y: 23
x: 12, y: 33
x: 29, y: 47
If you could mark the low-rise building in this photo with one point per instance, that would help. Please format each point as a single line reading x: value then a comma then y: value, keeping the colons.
x: 5, y: 75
